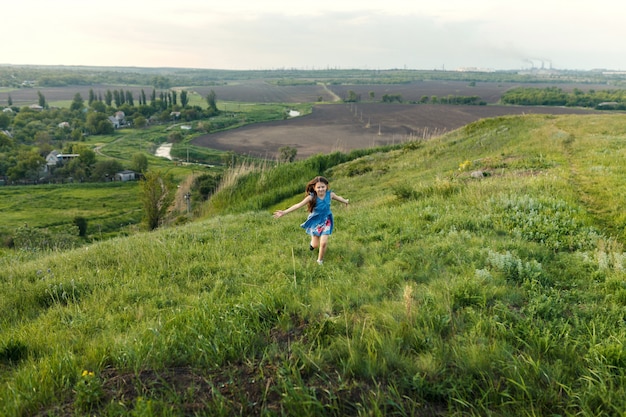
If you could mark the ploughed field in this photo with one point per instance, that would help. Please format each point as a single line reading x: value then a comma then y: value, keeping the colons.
x: 261, y: 91
x: 344, y: 127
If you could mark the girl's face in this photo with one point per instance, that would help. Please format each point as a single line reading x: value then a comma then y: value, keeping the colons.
x: 320, y: 188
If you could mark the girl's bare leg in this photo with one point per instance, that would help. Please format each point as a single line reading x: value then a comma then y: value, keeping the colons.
x: 323, y: 243
x: 315, y: 242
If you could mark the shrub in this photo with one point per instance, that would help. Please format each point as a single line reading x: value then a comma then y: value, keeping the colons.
x: 81, y: 223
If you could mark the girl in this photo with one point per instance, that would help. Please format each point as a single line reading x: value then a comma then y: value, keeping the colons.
x: 320, y: 222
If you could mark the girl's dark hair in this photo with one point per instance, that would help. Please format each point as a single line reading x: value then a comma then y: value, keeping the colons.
x: 310, y: 188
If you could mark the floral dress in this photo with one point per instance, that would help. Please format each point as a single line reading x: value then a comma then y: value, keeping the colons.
x: 320, y: 221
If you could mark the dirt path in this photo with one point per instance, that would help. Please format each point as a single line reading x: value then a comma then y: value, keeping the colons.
x: 335, y: 97
x: 98, y: 149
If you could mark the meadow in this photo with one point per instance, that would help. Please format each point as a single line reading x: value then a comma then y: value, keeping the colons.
x: 481, y: 272
x: 107, y: 206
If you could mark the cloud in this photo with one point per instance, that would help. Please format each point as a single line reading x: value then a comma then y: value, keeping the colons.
x: 246, y: 34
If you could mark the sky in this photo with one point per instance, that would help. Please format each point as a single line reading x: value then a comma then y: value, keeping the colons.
x: 319, y: 34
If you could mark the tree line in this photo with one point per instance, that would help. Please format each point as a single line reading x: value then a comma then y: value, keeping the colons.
x: 353, y: 97
x: 555, y: 96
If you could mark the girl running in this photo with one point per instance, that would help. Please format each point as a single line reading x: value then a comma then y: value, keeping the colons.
x: 319, y: 224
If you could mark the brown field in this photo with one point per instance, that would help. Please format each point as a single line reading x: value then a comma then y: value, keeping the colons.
x: 259, y: 91
x: 344, y: 127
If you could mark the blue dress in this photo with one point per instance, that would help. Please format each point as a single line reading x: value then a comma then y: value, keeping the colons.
x: 320, y: 221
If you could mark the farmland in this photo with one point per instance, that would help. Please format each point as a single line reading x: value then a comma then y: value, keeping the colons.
x: 263, y: 91
x: 345, y: 127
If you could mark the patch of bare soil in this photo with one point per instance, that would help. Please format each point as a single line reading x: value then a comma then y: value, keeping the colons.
x: 345, y: 127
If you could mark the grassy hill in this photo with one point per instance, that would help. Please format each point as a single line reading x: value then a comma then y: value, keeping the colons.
x: 481, y: 273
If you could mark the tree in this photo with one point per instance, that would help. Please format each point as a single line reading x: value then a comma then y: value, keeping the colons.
x: 352, y: 97
x: 211, y: 101
x: 287, y: 153
x: 157, y: 194
x: 98, y: 123
x: 6, y: 142
x: 77, y: 135
x: 139, y: 162
x: 29, y: 166
x: 140, y: 121
x: 99, y: 106
x: 10, y: 101
x: 106, y: 170
x: 87, y: 156
x: 108, y: 98
x: 81, y: 223
x: 184, y: 100
x: 42, y: 99
x: 5, y: 121
x: 77, y: 103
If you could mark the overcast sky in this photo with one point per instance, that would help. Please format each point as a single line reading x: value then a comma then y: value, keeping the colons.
x: 317, y: 34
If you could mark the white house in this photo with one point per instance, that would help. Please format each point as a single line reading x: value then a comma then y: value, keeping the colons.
x: 118, y: 119
x: 56, y: 158
x: 126, y: 175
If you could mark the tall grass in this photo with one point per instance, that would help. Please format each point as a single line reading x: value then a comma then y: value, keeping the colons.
x: 441, y: 293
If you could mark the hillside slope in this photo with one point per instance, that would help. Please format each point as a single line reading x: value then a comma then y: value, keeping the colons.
x: 444, y: 292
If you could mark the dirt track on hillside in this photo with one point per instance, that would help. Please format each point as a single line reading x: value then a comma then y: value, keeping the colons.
x: 344, y: 127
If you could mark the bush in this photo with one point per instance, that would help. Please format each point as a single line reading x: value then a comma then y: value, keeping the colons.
x: 81, y: 223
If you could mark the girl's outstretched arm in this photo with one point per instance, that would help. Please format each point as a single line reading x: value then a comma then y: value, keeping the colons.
x: 281, y: 213
x: 339, y: 198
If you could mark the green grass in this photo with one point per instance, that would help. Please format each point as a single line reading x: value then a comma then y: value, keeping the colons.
x: 441, y: 294
x: 108, y: 207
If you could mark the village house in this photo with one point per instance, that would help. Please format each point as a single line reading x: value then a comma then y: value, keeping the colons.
x: 126, y: 175
x: 56, y: 158
x: 118, y: 119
